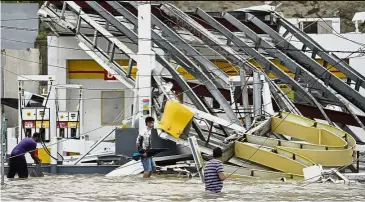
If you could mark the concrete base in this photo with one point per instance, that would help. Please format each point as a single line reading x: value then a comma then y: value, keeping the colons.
x: 53, y: 169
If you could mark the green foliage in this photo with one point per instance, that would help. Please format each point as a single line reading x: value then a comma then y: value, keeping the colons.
x: 41, y: 36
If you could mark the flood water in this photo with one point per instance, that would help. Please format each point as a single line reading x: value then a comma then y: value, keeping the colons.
x: 162, y: 188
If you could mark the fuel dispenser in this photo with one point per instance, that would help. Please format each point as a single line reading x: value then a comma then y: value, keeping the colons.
x: 35, y: 120
x: 29, y: 128
x: 73, y: 125
x: 68, y: 125
x: 69, y: 121
x: 37, y: 114
x: 62, y: 124
x: 28, y: 122
x: 42, y: 124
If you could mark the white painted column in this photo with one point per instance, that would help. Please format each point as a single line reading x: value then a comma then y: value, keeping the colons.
x: 55, y: 61
x: 266, y: 96
x: 135, y: 105
x: 256, y: 95
x: 51, y: 104
x: 356, y: 26
x: 245, y: 102
x: 20, y: 106
x: 145, y: 63
x: 1, y: 128
x: 59, y: 151
x: 81, y: 122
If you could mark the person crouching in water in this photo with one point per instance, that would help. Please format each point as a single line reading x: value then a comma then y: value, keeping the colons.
x: 213, y: 173
x: 17, y: 162
x: 143, y: 145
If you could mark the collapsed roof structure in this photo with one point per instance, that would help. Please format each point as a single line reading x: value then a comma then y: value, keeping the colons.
x: 239, y: 38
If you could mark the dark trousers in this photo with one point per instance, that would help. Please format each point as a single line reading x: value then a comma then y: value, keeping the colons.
x: 18, y: 165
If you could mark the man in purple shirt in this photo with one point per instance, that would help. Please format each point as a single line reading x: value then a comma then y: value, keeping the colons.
x: 17, y: 162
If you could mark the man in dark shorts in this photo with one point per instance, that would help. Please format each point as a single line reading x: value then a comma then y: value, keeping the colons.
x: 143, y: 145
x: 17, y: 162
x: 213, y: 173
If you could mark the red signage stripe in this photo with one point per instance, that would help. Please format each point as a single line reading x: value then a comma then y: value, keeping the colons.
x: 102, y: 72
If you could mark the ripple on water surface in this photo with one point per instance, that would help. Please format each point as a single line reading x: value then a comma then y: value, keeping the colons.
x: 160, y: 188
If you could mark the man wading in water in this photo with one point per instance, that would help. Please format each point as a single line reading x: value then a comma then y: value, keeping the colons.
x: 143, y: 145
x: 213, y: 173
x: 17, y: 162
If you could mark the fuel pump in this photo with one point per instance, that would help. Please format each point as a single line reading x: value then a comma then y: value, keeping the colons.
x: 62, y: 124
x: 73, y: 125
x: 42, y: 124
x: 35, y: 120
x: 37, y: 114
x: 28, y: 122
x: 69, y: 120
x: 42, y: 127
x: 29, y: 128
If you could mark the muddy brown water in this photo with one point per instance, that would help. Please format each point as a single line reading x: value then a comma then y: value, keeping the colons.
x: 170, y: 188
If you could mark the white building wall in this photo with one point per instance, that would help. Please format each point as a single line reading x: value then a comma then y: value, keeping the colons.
x: 62, y: 49
x: 14, y: 63
x: 92, y: 104
x: 336, y: 25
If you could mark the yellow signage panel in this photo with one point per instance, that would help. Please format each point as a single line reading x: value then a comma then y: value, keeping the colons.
x: 42, y: 124
x: 73, y: 124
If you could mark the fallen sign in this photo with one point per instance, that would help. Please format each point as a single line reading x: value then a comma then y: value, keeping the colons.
x: 135, y: 167
x: 131, y: 168
x: 312, y: 173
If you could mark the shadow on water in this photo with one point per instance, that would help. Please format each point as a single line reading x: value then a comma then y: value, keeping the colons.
x: 169, y: 188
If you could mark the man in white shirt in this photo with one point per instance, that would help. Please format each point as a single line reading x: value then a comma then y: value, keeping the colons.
x: 144, y: 145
